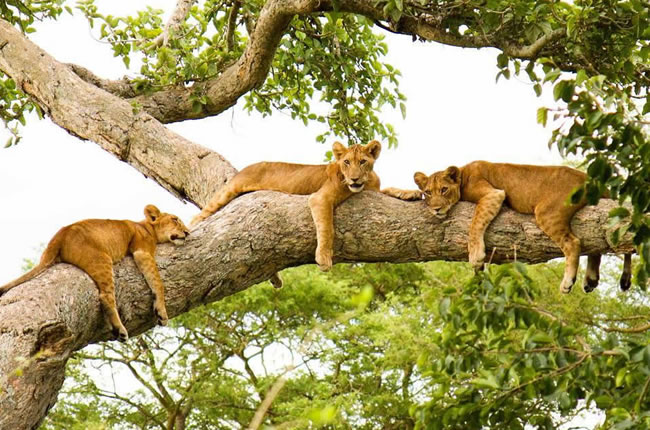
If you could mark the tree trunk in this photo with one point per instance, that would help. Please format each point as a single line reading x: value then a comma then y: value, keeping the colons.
x: 43, y: 321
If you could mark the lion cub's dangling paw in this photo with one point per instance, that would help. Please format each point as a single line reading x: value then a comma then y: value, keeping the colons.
x: 590, y: 284
x: 161, y: 316
x: 323, y: 259
x: 120, y: 334
x: 626, y: 281
x: 477, y: 257
x: 567, y: 285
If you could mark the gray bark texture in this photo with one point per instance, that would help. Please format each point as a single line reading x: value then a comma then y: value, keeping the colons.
x: 43, y: 321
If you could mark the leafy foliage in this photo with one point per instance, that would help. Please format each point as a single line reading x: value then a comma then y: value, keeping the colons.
x: 514, y: 354
x: 334, y: 59
x: 14, y: 104
x: 353, y: 337
x: 381, y: 346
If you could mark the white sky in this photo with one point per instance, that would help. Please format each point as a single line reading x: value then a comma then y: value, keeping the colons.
x: 456, y: 113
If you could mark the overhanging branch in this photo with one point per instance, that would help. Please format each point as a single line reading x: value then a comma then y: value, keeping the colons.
x: 187, y: 170
x: 176, y: 103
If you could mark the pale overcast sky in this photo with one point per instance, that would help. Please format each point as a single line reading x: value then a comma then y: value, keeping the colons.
x: 456, y: 114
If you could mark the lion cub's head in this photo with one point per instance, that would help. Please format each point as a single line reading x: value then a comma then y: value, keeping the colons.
x: 168, y: 227
x: 356, y: 163
x: 441, y: 190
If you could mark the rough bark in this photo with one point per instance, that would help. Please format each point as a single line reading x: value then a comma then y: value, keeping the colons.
x: 186, y: 169
x: 43, y: 321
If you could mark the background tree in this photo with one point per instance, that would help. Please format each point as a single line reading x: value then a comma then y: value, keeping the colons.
x: 210, y: 54
x: 381, y: 347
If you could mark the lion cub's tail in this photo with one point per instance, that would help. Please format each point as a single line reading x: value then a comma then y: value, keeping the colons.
x: 49, y: 258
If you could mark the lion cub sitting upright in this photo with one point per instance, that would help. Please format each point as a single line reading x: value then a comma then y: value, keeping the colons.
x: 94, y: 245
x: 328, y: 184
x: 539, y: 190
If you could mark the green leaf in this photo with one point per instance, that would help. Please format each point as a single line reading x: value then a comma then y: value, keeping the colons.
x: 604, y: 401
x: 619, y: 212
x: 620, y: 376
x: 502, y: 60
x: 581, y: 76
x: 542, y: 115
x: 541, y: 337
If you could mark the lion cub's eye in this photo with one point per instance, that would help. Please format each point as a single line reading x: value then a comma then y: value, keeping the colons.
x: 444, y: 190
x: 362, y: 162
x: 347, y: 162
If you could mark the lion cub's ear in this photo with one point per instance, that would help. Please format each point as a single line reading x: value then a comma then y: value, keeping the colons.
x: 421, y: 180
x: 151, y: 213
x: 373, y: 149
x: 338, y: 150
x: 453, y: 173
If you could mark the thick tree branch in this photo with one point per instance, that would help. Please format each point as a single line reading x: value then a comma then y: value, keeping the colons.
x: 187, y: 170
x: 43, y: 321
x: 176, y: 103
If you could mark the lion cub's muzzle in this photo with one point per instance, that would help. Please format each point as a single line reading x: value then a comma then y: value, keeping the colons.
x: 356, y: 187
x: 179, y: 238
x: 440, y: 213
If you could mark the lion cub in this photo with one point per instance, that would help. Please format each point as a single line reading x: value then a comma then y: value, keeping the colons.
x: 328, y: 184
x: 94, y: 245
x: 539, y: 190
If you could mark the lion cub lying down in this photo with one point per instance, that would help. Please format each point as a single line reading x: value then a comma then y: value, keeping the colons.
x: 539, y: 190
x: 328, y: 184
x: 94, y: 245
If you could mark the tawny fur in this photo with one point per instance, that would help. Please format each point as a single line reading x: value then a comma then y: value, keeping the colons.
x: 94, y: 245
x: 539, y: 190
x: 328, y: 185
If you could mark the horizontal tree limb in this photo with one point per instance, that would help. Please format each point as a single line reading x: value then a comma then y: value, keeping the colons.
x: 43, y: 321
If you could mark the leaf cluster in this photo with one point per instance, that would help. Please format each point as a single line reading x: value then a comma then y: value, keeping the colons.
x: 514, y: 356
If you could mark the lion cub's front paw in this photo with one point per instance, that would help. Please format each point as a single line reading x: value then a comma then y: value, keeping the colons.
x: 324, y: 259
x: 161, y: 316
x: 566, y: 285
x: 403, y: 194
x: 477, y: 257
x: 121, y: 334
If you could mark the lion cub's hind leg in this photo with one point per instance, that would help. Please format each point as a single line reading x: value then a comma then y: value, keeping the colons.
x: 593, y: 273
x: 100, y: 270
x: 626, y: 276
x: 553, y: 219
x: 147, y: 265
x: 592, y: 276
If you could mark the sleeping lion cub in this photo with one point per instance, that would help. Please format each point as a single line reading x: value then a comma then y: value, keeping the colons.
x: 94, y: 245
x: 328, y: 184
x: 539, y: 190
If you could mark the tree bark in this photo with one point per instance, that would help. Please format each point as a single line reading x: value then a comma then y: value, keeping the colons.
x: 43, y: 321
x: 187, y: 170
